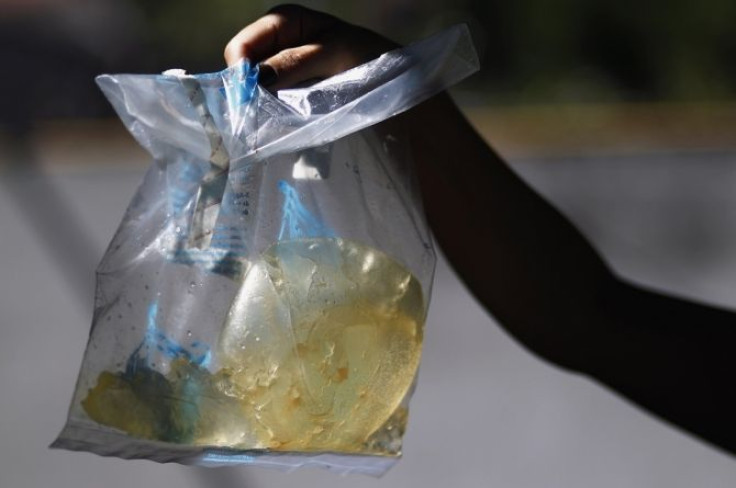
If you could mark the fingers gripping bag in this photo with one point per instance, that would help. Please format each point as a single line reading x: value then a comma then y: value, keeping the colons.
x: 263, y: 300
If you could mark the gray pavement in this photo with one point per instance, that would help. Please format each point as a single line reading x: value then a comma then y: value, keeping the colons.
x: 486, y: 412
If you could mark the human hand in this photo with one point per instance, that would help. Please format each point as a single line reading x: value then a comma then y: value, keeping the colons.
x: 293, y: 44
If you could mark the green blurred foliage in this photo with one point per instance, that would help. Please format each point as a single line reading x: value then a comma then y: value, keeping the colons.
x: 531, y: 50
x: 192, y: 34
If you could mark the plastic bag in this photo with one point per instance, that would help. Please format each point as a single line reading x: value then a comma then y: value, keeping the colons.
x: 263, y: 299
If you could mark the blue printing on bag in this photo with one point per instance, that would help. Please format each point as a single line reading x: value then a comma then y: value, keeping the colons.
x: 156, y: 339
x: 296, y: 221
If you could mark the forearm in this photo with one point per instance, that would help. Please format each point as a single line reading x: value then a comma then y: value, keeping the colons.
x: 543, y: 281
x: 671, y: 356
x: 524, y: 262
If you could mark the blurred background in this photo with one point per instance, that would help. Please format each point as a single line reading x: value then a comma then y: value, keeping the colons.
x: 621, y: 113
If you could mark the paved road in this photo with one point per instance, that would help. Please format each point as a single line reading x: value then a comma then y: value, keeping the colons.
x: 486, y: 412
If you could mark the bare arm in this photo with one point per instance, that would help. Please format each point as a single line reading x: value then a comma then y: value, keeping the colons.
x: 526, y: 263
x: 543, y: 281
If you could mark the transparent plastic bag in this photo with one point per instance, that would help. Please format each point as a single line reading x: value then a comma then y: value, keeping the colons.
x: 263, y: 299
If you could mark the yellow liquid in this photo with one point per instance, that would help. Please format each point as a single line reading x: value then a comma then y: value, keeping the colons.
x: 319, y: 349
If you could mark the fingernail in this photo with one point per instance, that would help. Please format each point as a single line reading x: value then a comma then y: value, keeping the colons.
x: 266, y: 75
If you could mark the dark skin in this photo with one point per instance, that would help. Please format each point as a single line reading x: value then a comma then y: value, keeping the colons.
x: 524, y: 261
